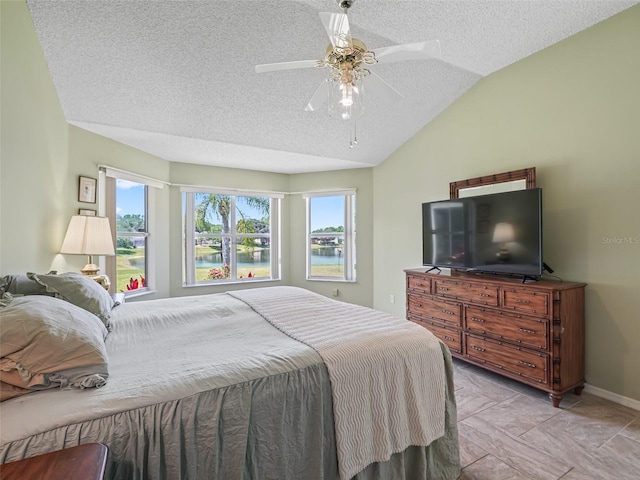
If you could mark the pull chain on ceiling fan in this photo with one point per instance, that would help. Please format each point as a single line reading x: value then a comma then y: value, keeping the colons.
x: 348, y: 60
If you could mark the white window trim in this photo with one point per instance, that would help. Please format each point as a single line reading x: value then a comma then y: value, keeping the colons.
x: 189, y: 235
x: 348, y: 235
x: 150, y: 247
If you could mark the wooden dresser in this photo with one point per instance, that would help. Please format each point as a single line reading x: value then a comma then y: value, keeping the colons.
x: 531, y: 332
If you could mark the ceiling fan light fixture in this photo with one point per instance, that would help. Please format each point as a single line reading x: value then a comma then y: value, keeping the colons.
x: 347, y: 59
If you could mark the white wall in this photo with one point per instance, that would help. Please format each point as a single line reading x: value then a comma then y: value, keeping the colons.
x: 571, y: 111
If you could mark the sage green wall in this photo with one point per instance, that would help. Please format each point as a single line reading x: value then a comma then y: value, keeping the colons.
x: 35, y: 184
x: 42, y: 158
x: 359, y: 292
x: 572, y: 112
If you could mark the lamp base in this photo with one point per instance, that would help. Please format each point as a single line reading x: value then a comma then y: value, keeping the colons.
x: 503, y: 255
x: 90, y: 269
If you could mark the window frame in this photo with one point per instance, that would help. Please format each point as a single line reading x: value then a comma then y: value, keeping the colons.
x: 349, y: 235
x: 108, y: 178
x: 189, y: 236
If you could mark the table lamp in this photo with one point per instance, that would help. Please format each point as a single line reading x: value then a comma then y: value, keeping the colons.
x: 88, y: 235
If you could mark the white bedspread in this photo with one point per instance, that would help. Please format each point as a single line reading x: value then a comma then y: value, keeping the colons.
x: 160, y: 351
x: 387, y: 374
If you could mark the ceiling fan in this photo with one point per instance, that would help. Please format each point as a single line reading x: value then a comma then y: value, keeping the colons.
x: 348, y: 60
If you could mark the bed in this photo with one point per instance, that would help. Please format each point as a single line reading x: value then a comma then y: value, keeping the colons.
x: 264, y: 383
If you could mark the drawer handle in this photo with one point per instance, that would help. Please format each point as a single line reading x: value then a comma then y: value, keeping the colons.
x: 449, y: 338
x: 480, y: 349
x: 419, y: 285
x: 526, y: 364
x: 443, y: 289
x: 525, y: 330
x: 484, y: 295
x: 519, y: 300
x: 447, y: 312
x: 479, y: 320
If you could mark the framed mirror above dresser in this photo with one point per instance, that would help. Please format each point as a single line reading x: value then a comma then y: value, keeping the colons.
x: 496, y: 183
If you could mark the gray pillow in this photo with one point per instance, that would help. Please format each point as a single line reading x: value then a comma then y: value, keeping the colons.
x: 48, y: 343
x: 23, y: 285
x: 80, y: 290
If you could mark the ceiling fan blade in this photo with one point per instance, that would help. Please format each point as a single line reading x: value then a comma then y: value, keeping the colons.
x: 337, y: 27
x: 319, y: 97
x: 273, y: 67
x: 409, y: 51
x: 380, y: 89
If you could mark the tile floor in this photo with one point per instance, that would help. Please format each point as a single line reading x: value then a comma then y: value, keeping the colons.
x: 511, y: 431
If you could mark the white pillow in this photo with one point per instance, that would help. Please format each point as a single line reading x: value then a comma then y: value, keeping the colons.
x: 48, y: 342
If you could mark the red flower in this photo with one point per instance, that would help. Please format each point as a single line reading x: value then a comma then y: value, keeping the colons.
x: 134, y: 284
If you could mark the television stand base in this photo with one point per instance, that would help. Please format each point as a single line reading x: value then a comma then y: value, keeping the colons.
x: 432, y: 269
x: 525, y: 277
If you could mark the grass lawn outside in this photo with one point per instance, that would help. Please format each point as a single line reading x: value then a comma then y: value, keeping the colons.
x: 127, y: 271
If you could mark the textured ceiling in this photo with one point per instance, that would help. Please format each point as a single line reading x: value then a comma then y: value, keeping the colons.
x: 176, y: 78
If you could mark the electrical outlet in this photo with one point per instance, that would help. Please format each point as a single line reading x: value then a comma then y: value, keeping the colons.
x: 335, y: 292
x: 392, y: 298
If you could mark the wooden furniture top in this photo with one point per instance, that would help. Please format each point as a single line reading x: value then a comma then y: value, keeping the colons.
x: 83, y: 462
x: 490, y: 278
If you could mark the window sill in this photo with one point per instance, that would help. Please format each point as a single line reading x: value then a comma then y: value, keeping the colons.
x: 321, y: 279
x: 130, y: 296
x: 234, y: 282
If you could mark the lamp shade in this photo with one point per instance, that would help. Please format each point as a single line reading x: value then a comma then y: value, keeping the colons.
x: 88, y: 235
x: 503, y: 233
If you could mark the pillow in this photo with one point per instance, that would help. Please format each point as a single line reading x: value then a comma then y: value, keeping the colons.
x: 47, y: 343
x: 23, y: 285
x: 80, y: 290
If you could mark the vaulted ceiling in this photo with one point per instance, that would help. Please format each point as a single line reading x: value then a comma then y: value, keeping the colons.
x: 176, y: 78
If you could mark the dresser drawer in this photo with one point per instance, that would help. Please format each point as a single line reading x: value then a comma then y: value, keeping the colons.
x: 419, y: 284
x: 524, y: 363
x: 530, y: 332
x: 441, y: 311
x: 526, y: 301
x: 469, y: 292
x: 451, y: 337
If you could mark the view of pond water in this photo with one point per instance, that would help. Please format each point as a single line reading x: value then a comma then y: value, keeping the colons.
x: 321, y: 256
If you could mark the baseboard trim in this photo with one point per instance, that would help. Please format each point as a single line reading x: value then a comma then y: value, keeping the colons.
x: 614, y: 397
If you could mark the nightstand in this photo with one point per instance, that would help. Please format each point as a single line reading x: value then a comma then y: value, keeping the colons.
x: 84, y: 462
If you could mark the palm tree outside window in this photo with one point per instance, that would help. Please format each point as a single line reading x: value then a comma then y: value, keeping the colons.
x: 230, y: 238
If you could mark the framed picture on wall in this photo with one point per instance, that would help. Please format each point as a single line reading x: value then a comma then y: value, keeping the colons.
x: 87, y: 212
x: 87, y: 190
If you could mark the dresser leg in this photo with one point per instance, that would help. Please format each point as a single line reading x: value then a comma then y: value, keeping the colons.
x: 578, y: 389
x: 555, y: 399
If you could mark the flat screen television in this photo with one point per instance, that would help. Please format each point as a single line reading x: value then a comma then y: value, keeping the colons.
x: 500, y: 233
